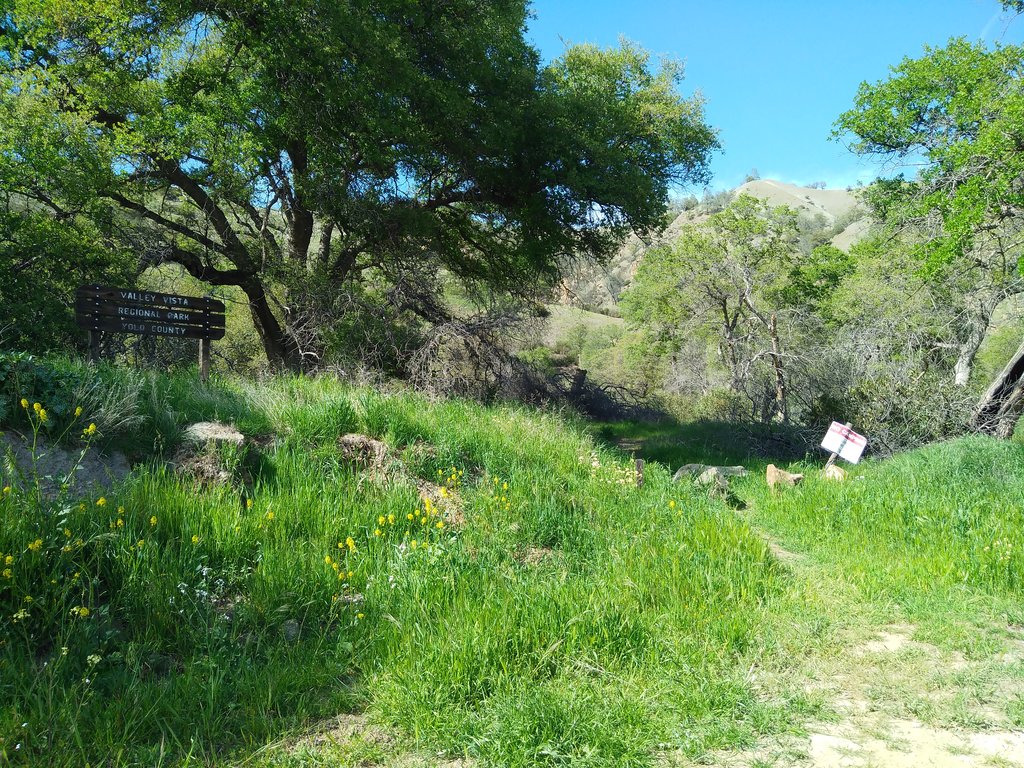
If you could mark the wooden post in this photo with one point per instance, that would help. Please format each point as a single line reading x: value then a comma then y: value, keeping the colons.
x: 204, y: 360
x: 639, y: 473
x: 834, y: 456
x: 94, y: 346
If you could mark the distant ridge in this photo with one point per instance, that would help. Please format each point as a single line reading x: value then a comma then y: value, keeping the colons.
x: 598, y: 288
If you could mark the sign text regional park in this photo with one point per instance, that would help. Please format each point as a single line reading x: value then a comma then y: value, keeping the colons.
x: 122, y: 310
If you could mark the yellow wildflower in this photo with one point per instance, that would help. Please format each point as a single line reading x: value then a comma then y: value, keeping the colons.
x: 42, y: 414
x: 440, y: 524
x: 120, y: 523
x: 7, y: 573
x: 350, y: 574
x: 24, y: 403
x: 36, y: 545
x: 391, y: 519
x: 360, y: 616
x: 80, y: 611
x: 78, y: 411
x: 672, y: 504
x: 270, y: 515
x: 101, y: 502
x: 9, y: 560
x: 409, y: 516
x: 413, y: 544
x: 37, y: 407
x: 377, y: 532
x: 195, y: 538
x: 327, y: 559
x: 67, y: 533
x: 152, y: 520
x: 139, y: 543
x: 380, y: 520
x: 350, y: 544
x: 248, y: 503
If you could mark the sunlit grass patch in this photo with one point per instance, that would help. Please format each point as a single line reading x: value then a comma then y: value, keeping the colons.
x: 209, y: 620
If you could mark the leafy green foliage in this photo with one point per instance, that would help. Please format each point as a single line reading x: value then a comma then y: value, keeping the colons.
x: 42, y: 262
x: 959, y: 108
x: 724, y: 283
x: 221, y: 140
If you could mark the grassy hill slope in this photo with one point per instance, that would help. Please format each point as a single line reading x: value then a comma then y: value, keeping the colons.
x: 539, y: 604
x: 484, y: 584
x: 599, y: 288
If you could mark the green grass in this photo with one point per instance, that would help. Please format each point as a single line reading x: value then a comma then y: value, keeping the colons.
x: 559, y: 615
x: 921, y: 528
x: 567, y: 617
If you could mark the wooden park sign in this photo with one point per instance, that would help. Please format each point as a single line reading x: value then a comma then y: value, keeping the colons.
x: 126, y: 310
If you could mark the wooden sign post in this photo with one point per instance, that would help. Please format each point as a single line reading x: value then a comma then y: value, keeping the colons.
x: 126, y: 310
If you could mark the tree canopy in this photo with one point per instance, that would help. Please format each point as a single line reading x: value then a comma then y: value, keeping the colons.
x: 296, y: 143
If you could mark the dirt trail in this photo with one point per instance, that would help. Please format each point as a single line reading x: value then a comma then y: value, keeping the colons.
x: 897, y: 702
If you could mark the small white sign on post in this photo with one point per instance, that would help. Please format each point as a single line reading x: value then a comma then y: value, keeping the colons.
x: 844, y: 442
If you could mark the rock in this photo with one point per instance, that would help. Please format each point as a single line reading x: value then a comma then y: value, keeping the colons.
x: 199, y: 456
x: 290, y: 629
x: 835, y: 472
x: 712, y: 476
x: 364, y: 451
x: 696, y: 470
x: 205, y: 432
x: 715, y: 480
x: 776, y: 476
x: 93, y: 473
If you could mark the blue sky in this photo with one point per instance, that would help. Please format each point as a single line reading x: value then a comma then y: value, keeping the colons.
x: 776, y: 75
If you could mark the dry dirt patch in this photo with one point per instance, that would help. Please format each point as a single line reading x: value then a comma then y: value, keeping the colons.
x: 94, y: 473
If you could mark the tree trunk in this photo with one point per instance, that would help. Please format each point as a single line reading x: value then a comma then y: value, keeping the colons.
x: 978, y: 326
x: 1000, y: 406
x: 781, y: 406
x: 280, y: 346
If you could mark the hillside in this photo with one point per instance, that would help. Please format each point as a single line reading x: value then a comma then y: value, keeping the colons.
x: 598, y: 288
x: 371, y: 578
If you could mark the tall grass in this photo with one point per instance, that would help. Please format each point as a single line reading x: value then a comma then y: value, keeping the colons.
x: 936, y: 531
x: 548, y: 612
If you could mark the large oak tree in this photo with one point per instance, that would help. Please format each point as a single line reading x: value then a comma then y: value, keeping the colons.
x: 278, y: 144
